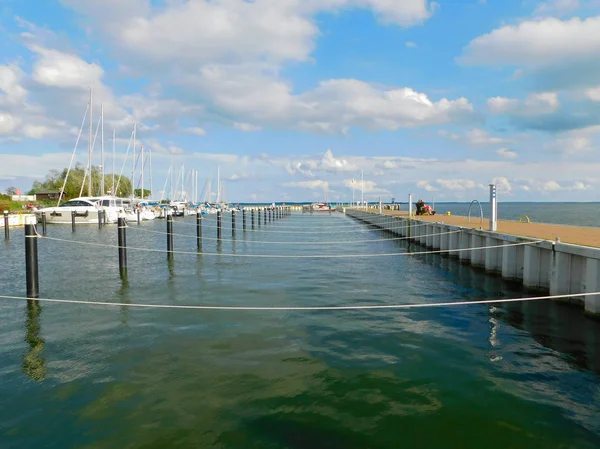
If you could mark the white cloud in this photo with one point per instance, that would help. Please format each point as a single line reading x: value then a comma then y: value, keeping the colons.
x: 410, y: 44
x: 246, y: 127
x: 475, y: 137
x: 459, y: 184
x: 593, y: 93
x: 328, y: 163
x: 11, y: 88
x: 534, y: 104
x: 536, y: 43
x: 479, y: 137
x: 571, y: 144
x: 503, y: 185
x: 195, y: 130
x: 367, y: 186
x: 556, y: 7
x: 8, y: 124
x: 501, y: 105
x: 62, y: 70
x: 506, y: 153
x: 313, y: 185
x: 426, y: 186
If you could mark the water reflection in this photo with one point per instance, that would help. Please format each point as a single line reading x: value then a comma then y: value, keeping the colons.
x: 34, y: 365
x: 123, y: 295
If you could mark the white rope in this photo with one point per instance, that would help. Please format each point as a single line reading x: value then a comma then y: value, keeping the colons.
x: 288, y: 256
x: 304, y: 308
x: 338, y: 242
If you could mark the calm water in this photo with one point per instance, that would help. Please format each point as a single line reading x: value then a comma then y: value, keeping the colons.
x: 514, y: 376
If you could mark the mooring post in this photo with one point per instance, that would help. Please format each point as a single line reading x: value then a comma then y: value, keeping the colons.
x: 233, y: 222
x: 265, y: 215
x: 100, y: 219
x: 43, y: 223
x: 252, y: 217
x: 259, y: 217
x: 199, y: 230
x: 170, y: 234
x: 493, y: 209
x: 139, y: 215
x: 73, y: 220
x: 122, y: 240
x: 219, y: 224
x: 244, y: 218
x: 6, y: 230
x: 31, y: 260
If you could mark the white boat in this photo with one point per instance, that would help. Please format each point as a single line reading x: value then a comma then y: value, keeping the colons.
x: 85, y: 208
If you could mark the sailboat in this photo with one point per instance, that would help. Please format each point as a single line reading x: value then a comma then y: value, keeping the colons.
x: 85, y: 209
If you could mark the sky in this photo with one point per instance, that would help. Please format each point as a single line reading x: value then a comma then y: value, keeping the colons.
x: 293, y: 99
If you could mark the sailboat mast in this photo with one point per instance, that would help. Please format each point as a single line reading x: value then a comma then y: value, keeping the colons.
x: 90, y: 149
x: 218, y: 184
x: 150, y: 157
x: 113, y: 162
x: 133, y: 164
x: 142, y: 156
x: 102, y: 149
x: 182, y: 176
x: 196, y: 186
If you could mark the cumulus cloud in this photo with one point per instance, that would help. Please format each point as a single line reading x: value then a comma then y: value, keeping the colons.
x: 425, y: 185
x: 313, y: 185
x: 328, y: 163
x: 534, y: 104
x: 475, y: 137
x: 506, y: 153
x: 535, y: 43
x: 459, y: 184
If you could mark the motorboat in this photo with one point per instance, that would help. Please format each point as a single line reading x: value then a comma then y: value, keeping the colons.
x: 85, y: 210
x: 318, y: 207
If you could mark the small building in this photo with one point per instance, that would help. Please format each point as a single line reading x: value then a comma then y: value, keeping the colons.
x: 47, y: 195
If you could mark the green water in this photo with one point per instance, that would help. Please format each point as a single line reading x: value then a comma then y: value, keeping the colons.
x: 511, y: 376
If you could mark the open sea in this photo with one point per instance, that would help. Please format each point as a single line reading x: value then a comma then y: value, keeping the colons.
x: 517, y: 375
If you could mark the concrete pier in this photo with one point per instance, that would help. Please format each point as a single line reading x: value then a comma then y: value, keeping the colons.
x: 546, y: 265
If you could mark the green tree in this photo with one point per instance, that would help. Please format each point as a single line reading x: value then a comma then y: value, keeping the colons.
x: 56, y: 178
x: 11, y: 191
x: 138, y: 193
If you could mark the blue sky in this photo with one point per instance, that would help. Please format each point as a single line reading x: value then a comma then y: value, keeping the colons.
x: 293, y: 98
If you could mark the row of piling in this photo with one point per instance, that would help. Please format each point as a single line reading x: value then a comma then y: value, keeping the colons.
x: 31, y: 236
x: 268, y: 215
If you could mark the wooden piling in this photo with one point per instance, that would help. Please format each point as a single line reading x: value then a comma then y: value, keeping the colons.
x: 73, y: 221
x: 170, y: 234
x: 122, y: 240
x: 44, y: 223
x: 219, y: 224
x: 6, y: 228
x: 233, y: 222
x: 253, y: 218
x: 244, y: 218
x: 199, y: 230
x: 31, y: 261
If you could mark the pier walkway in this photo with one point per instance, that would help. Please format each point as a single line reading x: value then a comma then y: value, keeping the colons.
x: 576, y: 235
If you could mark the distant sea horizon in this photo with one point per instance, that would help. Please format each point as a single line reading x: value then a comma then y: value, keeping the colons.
x: 572, y: 213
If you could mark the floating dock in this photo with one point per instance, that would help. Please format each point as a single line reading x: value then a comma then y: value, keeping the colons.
x: 569, y: 266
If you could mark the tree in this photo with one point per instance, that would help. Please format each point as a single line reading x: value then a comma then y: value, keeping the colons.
x: 11, y: 191
x: 77, y: 175
x: 138, y: 193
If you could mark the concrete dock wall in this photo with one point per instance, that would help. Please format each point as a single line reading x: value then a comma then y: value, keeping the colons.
x: 15, y: 219
x: 554, y: 267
